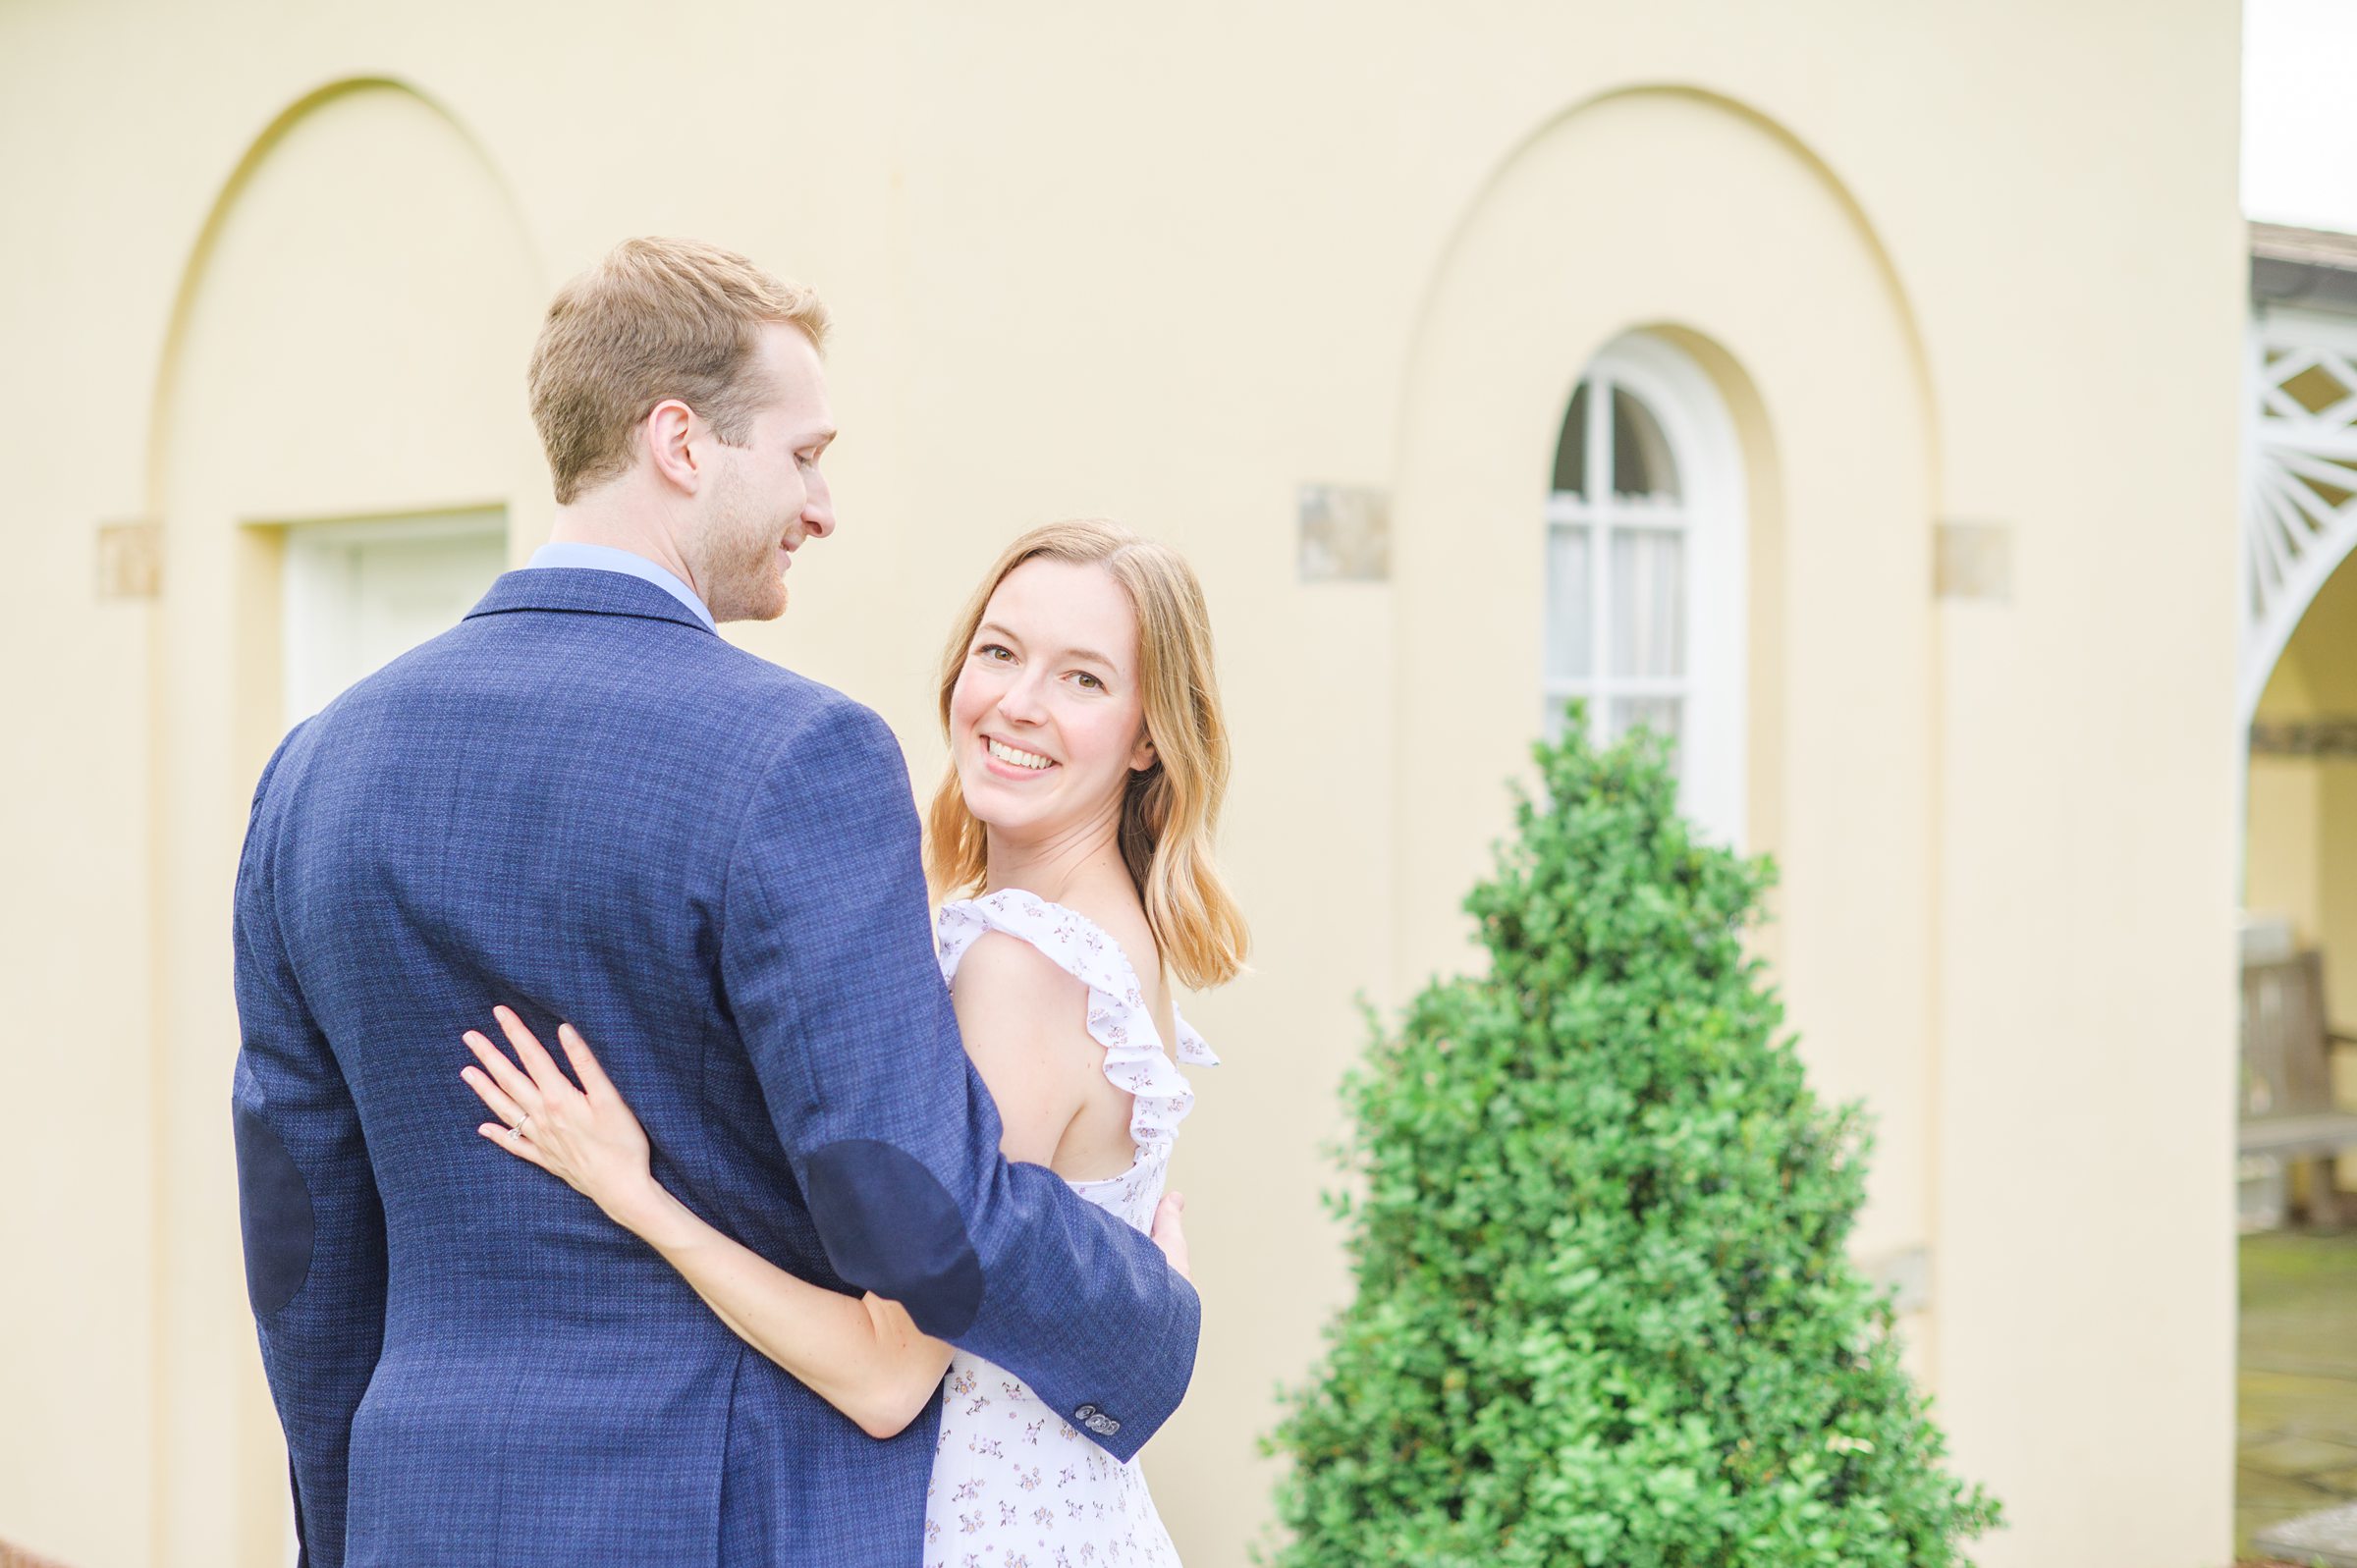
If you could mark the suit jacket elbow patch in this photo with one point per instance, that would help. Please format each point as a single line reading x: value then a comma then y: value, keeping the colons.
x: 890, y: 1227
x: 274, y: 1214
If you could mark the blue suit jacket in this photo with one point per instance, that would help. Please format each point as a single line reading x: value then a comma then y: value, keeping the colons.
x: 582, y: 802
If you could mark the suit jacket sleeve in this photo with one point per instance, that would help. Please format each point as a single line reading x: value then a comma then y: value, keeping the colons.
x: 827, y: 961
x: 315, y: 1231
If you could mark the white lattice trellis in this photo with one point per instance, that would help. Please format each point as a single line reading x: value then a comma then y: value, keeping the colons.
x: 2299, y: 513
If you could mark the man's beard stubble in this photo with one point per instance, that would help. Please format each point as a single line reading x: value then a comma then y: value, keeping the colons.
x: 740, y: 570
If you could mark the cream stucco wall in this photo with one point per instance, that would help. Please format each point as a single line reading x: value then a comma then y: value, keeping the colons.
x: 1946, y: 266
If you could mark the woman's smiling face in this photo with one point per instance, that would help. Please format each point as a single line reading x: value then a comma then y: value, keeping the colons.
x: 1046, y: 721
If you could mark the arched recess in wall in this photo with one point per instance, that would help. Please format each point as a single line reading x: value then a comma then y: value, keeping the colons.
x: 1700, y: 225
x: 349, y: 343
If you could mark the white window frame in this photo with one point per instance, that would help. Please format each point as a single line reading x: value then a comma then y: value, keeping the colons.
x: 1710, y: 511
x: 317, y: 593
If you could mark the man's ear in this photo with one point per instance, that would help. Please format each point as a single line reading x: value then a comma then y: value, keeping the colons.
x: 665, y: 430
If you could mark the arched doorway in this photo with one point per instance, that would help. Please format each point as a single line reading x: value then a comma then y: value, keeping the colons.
x: 346, y: 353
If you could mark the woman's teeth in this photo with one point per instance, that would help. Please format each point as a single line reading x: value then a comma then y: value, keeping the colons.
x: 1019, y: 759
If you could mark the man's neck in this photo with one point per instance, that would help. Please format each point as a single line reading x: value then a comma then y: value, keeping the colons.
x: 621, y: 529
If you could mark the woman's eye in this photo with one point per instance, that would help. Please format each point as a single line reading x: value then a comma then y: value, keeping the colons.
x: 1091, y: 682
x: 991, y: 650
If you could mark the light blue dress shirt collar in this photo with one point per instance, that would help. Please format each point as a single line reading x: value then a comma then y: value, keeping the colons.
x: 605, y: 558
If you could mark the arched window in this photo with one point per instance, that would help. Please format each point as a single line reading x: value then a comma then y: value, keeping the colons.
x: 1645, y: 570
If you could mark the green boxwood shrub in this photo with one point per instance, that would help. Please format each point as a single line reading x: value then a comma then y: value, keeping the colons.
x: 1604, y: 1311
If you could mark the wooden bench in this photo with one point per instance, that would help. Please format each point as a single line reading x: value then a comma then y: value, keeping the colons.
x: 2288, y: 1111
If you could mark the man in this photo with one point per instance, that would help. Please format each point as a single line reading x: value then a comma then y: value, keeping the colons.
x: 581, y: 801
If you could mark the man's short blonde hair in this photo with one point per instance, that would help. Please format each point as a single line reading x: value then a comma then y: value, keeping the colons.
x: 656, y: 319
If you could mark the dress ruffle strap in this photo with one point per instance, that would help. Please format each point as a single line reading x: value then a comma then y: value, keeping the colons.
x: 1117, y: 1016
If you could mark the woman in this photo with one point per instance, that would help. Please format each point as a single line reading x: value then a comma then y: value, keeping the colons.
x: 1087, y: 761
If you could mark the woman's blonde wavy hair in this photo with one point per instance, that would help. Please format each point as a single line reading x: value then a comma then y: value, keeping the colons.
x: 1171, y: 810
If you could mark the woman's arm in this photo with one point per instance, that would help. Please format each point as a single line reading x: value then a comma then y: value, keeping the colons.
x: 864, y: 1357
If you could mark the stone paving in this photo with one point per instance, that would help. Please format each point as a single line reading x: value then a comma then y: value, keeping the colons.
x: 2296, y: 1412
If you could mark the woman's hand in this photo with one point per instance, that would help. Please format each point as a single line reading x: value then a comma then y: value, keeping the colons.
x: 586, y: 1136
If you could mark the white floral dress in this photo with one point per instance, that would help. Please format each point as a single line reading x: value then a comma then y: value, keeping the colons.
x: 1015, y: 1483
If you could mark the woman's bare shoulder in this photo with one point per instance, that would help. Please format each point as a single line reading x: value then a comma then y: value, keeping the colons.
x: 1015, y: 1004
x: 1002, y: 967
